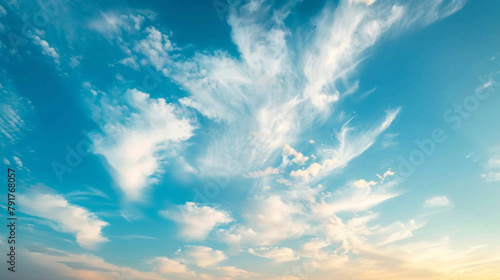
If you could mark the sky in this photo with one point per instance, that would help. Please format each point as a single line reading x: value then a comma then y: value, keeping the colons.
x: 351, y: 139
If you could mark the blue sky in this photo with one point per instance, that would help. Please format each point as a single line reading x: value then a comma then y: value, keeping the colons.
x: 252, y: 139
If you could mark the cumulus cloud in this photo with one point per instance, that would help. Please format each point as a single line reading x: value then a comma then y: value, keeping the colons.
x: 168, y: 266
x: 156, y: 47
x: 47, y: 49
x: 87, y: 227
x: 138, y: 134
x: 437, y: 201
x: 361, y: 183
x: 196, y: 222
x: 297, y: 157
x: 269, y: 220
x: 278, y: 254
x: 202, y: 256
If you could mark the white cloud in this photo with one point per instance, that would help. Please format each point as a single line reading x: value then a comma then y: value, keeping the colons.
x: 74, y: 61
x: 388, y: 139
x: 237, y: 273
x: 362, y: 183
x: 437, y: 201
x: 432, y: 260
x: 168, y: 266
x: 235, y: 92
x: 367, y: 2
x: 130, y: 62
x: 349, y: 233
x: 156, y: 47
x: 349, y: 147
x: 108, y: 23
x: 486, y: 84
x: 266, y: 172
x: 139, y: 134
x: 47, y: 49
x: 278, y: 254
x: 6, y: 161
x: 298, y: 157
x: 196, y: 222
x: 13, y: 110
x: 428, y: 11
x: 18, y: 161
x: 385, y: 175
x: 111, y: 24
x: 339, y: 41
x: 398, y: 231
x: 51, y: 264
x: 269, y: 220
x: 308, y: 73
x: 359, y: 198
x: 492, y: 168
x: 262, y: 98
x: 87, y: 227
x: 301, y: 210
x: 314, y: 249
x: 202, y: 256
x: 3, y: 12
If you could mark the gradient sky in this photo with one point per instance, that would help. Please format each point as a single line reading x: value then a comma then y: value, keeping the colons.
x: 352, y: 139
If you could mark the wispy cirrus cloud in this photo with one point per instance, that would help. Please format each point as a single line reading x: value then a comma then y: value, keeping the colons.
x: 278, y: 83
x: 258, y: 101
x: 349, y: 147
x: 222, y: 87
